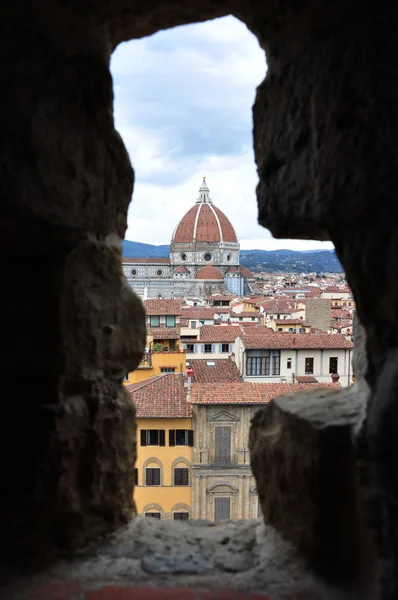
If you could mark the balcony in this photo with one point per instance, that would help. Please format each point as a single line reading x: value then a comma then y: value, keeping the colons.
x: 146, y: 361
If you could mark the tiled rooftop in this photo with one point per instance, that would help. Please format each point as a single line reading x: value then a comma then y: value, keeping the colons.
x: 291, y: 322
x: 204, y: 223
x: 219, y: 333
x: 162, y: 307
x: 219, y: 370
x: 163, y: 396
x: 306, y: 379
x: 169, y: 333
x: 246, y: 392
x: 209, y: 272
x: 287, y: 341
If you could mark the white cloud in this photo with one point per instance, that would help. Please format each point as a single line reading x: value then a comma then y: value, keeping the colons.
x: 183, y: 101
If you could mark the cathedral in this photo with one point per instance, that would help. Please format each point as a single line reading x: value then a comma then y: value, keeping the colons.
x: 204, y: 258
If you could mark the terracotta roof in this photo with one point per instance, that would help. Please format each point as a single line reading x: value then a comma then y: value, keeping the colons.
x: 246, y: 272
x: 306, y: 379
x: 163, y: 396
x: 204, y: 223
x: 291, y: 322
x: 162, y: 307
x: 246, y: 392
x: 208, y: 272
x: 288, y: 341
x: 140, y: 261
x: 339, y: 313
x: 337, y: 290
x: 221, y: 369
x: 181, y: 269
x: 199, y: 312
x: 169, y: 333
x: 245, y: 313
x: 219, y: 333
x: 254, y: 300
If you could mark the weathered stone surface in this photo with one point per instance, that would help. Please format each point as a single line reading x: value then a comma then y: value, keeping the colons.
x: 303, y: 458
x: 269, y: 565
x: 325, y: 124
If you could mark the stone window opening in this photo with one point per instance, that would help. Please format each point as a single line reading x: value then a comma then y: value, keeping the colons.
x: 153, y: 514
x: 100, y: 221
x: 181, y: 476
x: 152, y: 476
x: 181, y: 515
x: 152, y: 472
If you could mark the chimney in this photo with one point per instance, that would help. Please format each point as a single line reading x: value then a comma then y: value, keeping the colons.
x: 335, y: 377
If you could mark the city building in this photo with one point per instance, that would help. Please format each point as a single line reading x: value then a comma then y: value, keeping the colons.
x: 204, y: 258
x: 157, y: 362
x: 289, y: 326
x: 317, y: 313
x: 281, y: 357
x: 164, y: 447
x: 213, y: 341
x: 223, y: 486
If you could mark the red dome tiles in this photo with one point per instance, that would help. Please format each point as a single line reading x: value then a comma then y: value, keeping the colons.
x: 208, y: 272
x: 204, y: 223
x: 181, y: 269
x: 246, y: 272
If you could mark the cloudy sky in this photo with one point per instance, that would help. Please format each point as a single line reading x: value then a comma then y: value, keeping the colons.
x: 183, y: 101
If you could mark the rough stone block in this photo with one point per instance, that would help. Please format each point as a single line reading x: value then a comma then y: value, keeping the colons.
x: 303, y: 459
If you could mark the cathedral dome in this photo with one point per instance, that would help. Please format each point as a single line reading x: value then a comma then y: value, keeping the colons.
x: 246, y: 272
x: 181, y: 269
x: 204, y: 222
x: 208, y: 272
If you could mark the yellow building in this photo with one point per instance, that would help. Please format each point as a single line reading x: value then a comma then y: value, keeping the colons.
x: 164, y: 447
x: 289, y: 326
x: 156, y: 363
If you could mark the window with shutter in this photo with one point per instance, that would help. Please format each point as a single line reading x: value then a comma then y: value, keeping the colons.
x: 223, y: 445
x: 172, y: 437
x: 207, y: 348
x: 153, y: 437
x: 143, y: 437
x: 153, y: 515
x: 181, y: 437
x: 190, y: 438
x: 152, y: 476
x: 162, y: 437
x: 222, y: 509
x: 135, y: 476
x: 181, y: 476
x: 224, y: 348
x: 181, y: 516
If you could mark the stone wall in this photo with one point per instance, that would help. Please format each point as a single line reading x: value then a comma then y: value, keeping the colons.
x: 325, y: 121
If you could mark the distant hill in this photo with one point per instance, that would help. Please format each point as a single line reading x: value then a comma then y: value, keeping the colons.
x: 138, y: 250
x: 287, y: 261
